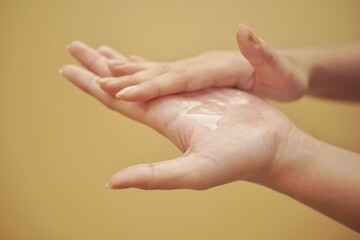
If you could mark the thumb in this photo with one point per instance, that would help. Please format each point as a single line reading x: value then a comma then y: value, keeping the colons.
x: 260, y: 55
x: 277, y: 77
x: 186, y: 172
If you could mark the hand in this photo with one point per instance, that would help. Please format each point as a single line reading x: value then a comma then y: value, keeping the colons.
x: 225, y: 134
x: 259, y: 70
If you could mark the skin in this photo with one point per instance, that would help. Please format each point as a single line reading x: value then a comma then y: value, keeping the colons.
x: 333, y: 72
x: 259, y: 69
x: 250, y: 141
x: 210, y: 155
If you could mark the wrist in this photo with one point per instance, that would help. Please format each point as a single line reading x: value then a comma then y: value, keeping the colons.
x: 304, y: 61
x: 290, y: 151
x: 321, y: 176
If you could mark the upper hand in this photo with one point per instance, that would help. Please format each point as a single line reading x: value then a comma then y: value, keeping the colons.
x: 259, y: 69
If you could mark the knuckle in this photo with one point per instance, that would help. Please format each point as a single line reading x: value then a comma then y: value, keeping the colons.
x: 201, y: 187
x: 93, y: 64
x: 151, y: 183
x: 180, y: 71
x: 154, y: 87
x: 163, y: 68
x: 132, y: 79
x: 268, y: 55
x: 112, y: 105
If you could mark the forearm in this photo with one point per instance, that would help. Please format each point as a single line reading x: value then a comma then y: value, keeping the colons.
x: 321, y: 176
x: 332, y: 72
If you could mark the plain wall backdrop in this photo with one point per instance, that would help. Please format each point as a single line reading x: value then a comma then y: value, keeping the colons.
x: 59, y: 146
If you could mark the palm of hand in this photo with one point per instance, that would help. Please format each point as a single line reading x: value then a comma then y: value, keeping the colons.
x: 226, y: 134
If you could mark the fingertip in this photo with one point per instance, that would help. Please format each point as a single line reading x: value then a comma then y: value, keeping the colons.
x: 103, y: 48
x: 242, y: 36
x: 133, y: 94
x: 75, y: 45
x: 108, y: 185
x: 126, y: 91
x: 107, y: 85
x: 61, y: 70
x: 243, y: 28
x: 74, y: 74
x: 120, y: 67
x: 116, y: 62
x: 245, y: 36
x: 136, y: 58
x: 104, y: 88
x: 66, y: 70
x: 137, y: 176
x: 132, y: 98
x: 105, y: 80
x: 255, y: 50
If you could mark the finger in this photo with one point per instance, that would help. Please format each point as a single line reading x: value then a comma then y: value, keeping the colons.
x: 110, y: 53
x: 90, y: 58
x: 254, y: 49
x: 119, y: 64
x: 273, y: 72
x: 188, y: 172
x: 137, y: 59
x: 86, y: 81
x: 267, y: 62
x: 121, y: 68
x: 162, y: 85
x: 113, y: 85
x: 114, y: 59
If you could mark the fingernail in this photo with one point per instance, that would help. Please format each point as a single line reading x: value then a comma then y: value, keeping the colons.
x: 61, y: 70
x: 114, y: 62
x: 126, y: 90
x: 105, y: 80
x: 135, y: 58
x: 97, y: 80
x: 108, y: 185
x: 254, y: 39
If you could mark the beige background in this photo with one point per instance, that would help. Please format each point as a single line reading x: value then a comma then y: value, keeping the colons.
x: 58, y: 146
